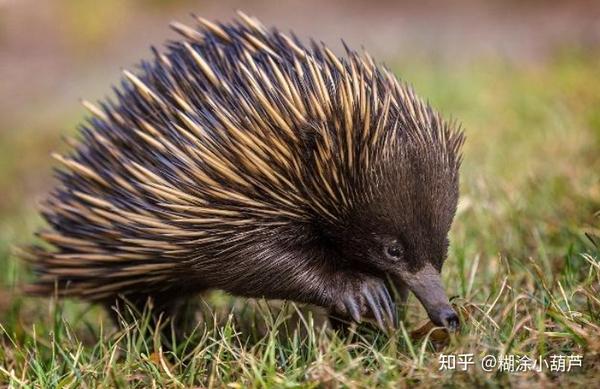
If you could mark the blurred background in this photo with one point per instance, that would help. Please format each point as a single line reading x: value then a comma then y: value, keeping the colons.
x: 522, y: 76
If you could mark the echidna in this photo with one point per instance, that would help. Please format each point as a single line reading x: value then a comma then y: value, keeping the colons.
x: 241, y: 159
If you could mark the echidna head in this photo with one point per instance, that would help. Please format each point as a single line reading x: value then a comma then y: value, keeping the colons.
x: 401, y: 229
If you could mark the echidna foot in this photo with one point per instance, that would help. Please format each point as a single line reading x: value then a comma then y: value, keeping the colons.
x: 367, y: 297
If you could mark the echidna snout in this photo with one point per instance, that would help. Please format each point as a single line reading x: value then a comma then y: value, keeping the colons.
x: 240, y: 159
x: 427, y: 287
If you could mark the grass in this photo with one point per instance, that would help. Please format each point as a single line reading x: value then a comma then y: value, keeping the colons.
x: 523, y: 264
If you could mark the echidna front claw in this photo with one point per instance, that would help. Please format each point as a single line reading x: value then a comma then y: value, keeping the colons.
x: 376, y: 308
x: 353, y: 309
x: 381, y: 304
x: 366, y: 296
x: 390, y: 306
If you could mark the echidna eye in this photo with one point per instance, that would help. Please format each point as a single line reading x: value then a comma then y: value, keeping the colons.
x: 394, y: 251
